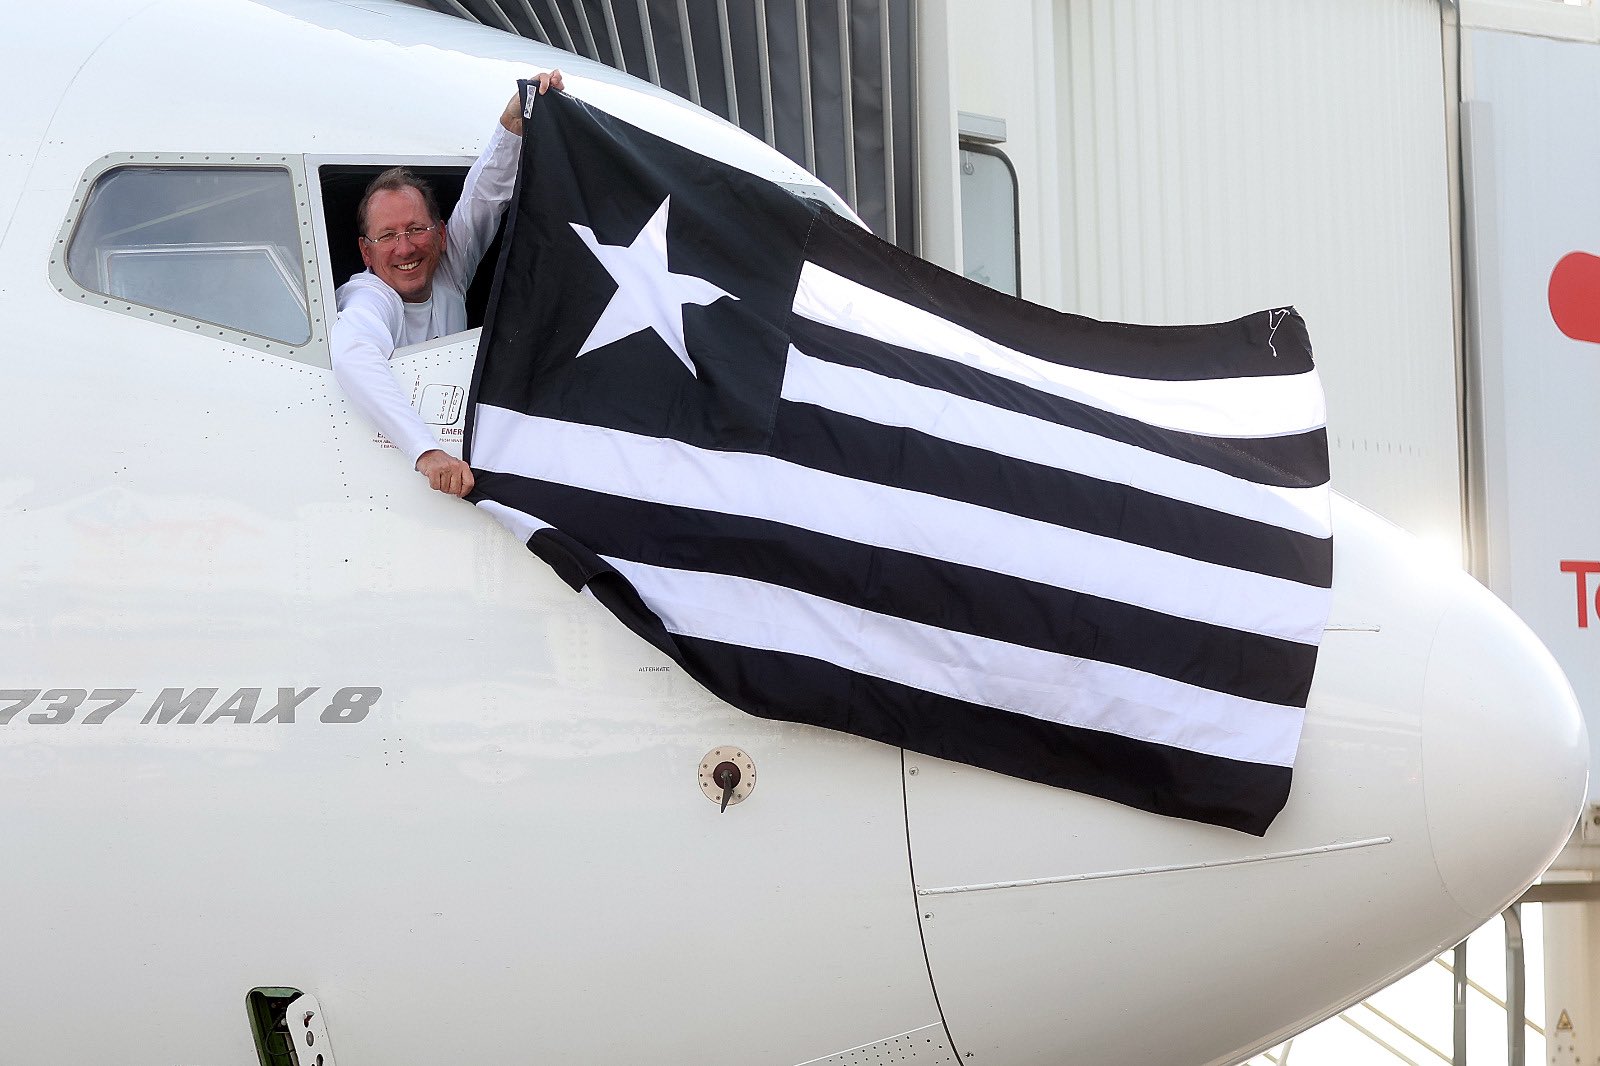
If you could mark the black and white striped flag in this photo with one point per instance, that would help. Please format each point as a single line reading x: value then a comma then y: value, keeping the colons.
x: 845, y: 487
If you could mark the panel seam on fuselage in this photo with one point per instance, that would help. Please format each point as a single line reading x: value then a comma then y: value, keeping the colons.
x: 922, y: 937
x: 1101, y: 875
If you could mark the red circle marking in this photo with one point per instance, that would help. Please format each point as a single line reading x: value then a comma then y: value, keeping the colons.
x: 1575, y: 296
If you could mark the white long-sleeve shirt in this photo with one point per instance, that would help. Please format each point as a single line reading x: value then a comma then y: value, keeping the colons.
x: 373, y: 320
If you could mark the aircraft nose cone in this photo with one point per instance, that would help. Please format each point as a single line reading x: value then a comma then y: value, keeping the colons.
x: 1504, y: 752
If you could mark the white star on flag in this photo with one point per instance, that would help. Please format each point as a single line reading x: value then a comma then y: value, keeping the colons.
x: 648, y: 296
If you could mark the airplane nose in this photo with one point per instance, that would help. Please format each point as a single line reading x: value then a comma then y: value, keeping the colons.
x: 1504, y: 752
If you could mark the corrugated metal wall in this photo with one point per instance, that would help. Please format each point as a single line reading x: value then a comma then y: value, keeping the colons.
x: 847, y: 112
x: 1194, y: 160
x: 1219, y: 156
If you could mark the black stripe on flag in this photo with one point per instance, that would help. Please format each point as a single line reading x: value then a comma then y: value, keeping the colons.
x: 936, y: 592
x: 889, y: 455
x: 1160, y: 778
x: 1253, y: 346
x: 1295, y: 460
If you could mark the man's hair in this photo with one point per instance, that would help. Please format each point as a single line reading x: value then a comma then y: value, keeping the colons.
x: 395, y: 179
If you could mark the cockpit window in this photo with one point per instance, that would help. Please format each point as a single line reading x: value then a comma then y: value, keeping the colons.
x: 219, y: 244
x: 342, y: 187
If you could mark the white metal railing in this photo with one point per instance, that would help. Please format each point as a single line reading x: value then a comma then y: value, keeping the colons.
x: 1391, y: 1039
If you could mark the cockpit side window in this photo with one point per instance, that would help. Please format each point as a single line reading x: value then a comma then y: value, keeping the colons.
x: 991, y: 230
x: 220, y: 245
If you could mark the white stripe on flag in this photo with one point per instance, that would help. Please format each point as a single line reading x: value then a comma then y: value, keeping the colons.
x: 992, y: 673
x: 670, y: 472
x: 522, y: 524
x: 863, y: 394
x: 1219, y: 407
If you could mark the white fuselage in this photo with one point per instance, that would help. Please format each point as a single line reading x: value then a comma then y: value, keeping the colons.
x: 482, y: 838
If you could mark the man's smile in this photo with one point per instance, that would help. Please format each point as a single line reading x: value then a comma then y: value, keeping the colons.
x: 405, y: 261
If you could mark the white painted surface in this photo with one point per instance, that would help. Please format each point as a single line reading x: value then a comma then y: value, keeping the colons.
x: 308, y: 1031
x: 514, y: 832
x: 1557, y: 19
x: 1534, y: 153
x: 513, y: 842
x: 1572, y: 1006
x: 1535, y: 158
x: 938, y: 180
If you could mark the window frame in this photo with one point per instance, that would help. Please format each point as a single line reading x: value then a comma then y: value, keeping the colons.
x: 319, y: 219
x: 313, y: 351
x: 980, y: 147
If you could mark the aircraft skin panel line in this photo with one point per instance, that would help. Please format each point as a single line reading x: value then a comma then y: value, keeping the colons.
x: 1432, y: 656
x: 1324, y: 849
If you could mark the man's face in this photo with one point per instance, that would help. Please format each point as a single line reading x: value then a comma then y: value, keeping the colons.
x: 406, y: 265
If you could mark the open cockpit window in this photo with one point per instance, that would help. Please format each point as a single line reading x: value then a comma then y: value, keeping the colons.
x: 221, y: 245
x: 342, y: 187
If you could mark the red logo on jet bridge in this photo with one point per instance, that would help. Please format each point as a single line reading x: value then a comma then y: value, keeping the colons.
x: 1582, y: 570
x: 1575, y: 296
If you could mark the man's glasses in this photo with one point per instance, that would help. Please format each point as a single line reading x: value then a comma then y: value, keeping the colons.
x: 411, y: 233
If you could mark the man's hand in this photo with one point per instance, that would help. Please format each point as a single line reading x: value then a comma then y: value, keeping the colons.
x: 511, y: 117
x: 445, y: 473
